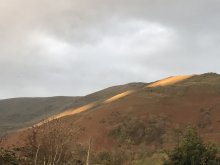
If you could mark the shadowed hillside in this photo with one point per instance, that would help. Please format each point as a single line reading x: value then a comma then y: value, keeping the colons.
x: 19, y: 112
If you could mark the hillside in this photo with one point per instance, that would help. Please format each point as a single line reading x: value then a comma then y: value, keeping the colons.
x: 191, y: 100
x: 17, y: 113
x: 151, y: 116
x: 20, y: 112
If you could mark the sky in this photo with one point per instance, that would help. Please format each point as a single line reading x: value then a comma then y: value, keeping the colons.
x: 76, y: 47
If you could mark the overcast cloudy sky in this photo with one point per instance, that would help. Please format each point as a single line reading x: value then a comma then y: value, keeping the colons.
x: 75, y: 47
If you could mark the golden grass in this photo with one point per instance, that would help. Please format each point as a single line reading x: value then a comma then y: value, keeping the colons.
x: 83, y: 108
x: 164, y: 82
x: 68, y: 113
x: 169, y: 81
x: 119, y: 96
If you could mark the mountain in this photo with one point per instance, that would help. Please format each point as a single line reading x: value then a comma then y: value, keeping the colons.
x: 20, y: 112
x: 152, y: 113
x: 17, y: 113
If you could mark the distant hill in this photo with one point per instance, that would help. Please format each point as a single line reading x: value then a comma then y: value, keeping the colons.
x: 20, y: 112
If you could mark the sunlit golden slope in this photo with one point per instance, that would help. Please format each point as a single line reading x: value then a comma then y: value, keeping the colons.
x: 85, y: 107
x: 119, y: 96
x: 68, y: 113
x: 74, y: 111
x: 170, y: 81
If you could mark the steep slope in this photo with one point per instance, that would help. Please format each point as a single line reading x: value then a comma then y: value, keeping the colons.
x: 106, y: 93
x: 167, y: 106
x: 17, y: 113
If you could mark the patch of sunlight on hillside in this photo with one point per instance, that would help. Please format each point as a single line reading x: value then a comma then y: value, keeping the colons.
x: 75, y: 111
x: 68, y: 113
x: 119, y: 96
x: 83, y: 108
x: 169, y: 81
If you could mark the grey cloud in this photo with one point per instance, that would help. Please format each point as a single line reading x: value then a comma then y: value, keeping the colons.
x: 76, y: 47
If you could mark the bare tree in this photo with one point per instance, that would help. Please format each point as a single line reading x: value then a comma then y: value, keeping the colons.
x: 52, y: 143
x: 88, y: 152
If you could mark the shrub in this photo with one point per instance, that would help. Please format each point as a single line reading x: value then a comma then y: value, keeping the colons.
x: 135, y: 131
x: 108, y: 158
x: 9, y: 157
x: 193, y: 151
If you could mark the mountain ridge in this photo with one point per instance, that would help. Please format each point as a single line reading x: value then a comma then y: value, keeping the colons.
x: 194, y: 100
